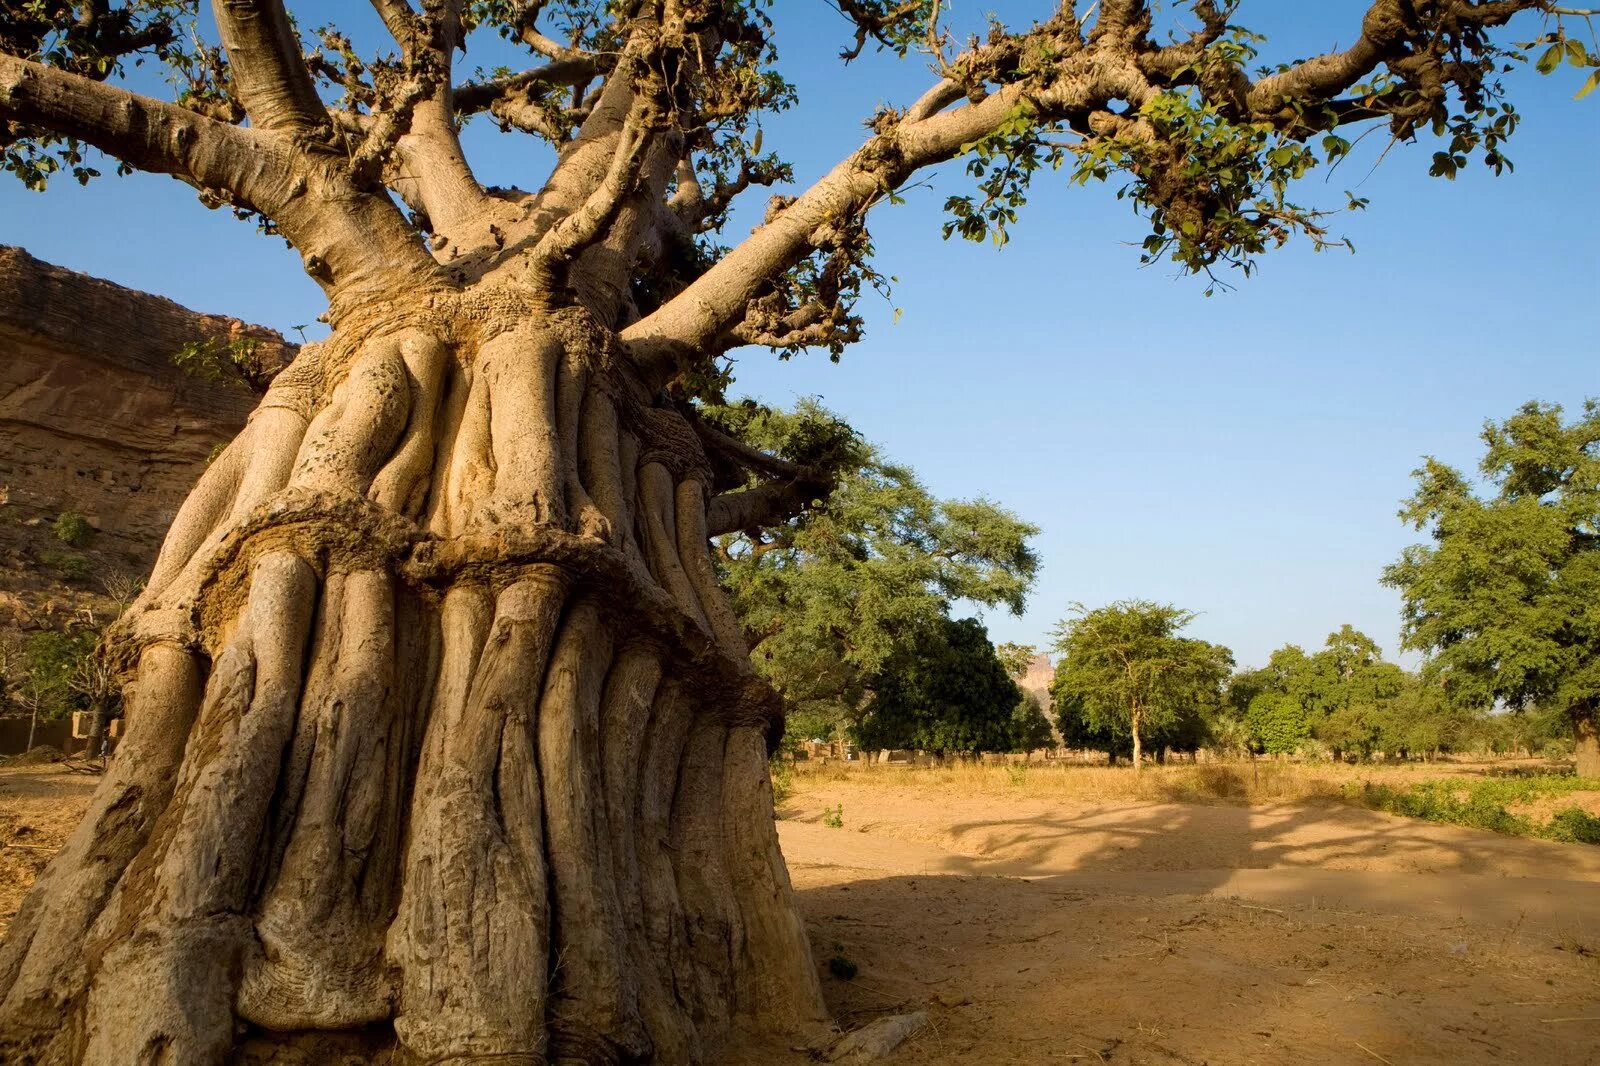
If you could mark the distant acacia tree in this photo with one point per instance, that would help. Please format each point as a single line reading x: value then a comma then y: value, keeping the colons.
x: 945, y: 692
x: 1506, y: 598
x: 1126, y: 677
x: 830, y: 596
x: 443, y: 742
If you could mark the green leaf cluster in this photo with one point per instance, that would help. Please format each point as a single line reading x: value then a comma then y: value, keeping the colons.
x: 1348, y: 698
x: 1505, y: 598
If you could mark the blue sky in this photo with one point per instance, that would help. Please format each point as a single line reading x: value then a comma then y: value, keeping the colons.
x: 1242, y: 456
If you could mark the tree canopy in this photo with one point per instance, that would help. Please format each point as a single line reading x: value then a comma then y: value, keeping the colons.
x: 313, y: 129
x: 1016, y: 657
x: 470, y: 528
x: 830, y: 596
x: 1506, y: 597
x: 945, y: 691
x: 1127, y: 679
x: 1346, y: 698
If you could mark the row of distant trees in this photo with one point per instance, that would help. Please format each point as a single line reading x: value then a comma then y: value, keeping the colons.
x: 848, y: 610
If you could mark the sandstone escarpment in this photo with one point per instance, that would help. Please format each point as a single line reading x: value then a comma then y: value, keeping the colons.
x: 96, y: 419
x: 94, y: 416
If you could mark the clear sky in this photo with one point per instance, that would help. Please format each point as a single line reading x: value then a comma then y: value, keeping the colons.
x: 1242, y: 456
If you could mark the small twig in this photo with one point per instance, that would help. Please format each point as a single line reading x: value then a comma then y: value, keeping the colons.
x: 878, y: 991
x: 35, y: 847
x: 1574, y: 1018
x: 1253, y: 907
x: 1374, y: 1054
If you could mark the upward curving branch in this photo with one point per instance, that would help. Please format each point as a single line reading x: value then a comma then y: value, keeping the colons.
x: 269, y: 76
x: 1096, y: 83
x: 212, y: 156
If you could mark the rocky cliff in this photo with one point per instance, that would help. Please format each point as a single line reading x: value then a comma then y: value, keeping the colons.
x: 96, y: 419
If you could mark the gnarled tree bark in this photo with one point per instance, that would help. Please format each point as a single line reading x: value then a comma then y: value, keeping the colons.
x: 436, y: 730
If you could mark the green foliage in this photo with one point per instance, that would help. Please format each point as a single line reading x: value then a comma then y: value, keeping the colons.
x: 1126, y: 669
x: 72, y: 529
x: 833, y: 817
x: 91, y: 43
x: 225, y: 359
x: 781, y: 771
x: 1277, y: 723
x: 1573, y: 825
x: 1345, y: 698
x: 1484, y: 803
x: 52, y: 660
x: 1559, y: 49
x: 943, y: 691
x: 1506, y: 598
x: 1016, y: 658
x: 69, y: 565
x: 1030, y: 729
x: 831, y: 595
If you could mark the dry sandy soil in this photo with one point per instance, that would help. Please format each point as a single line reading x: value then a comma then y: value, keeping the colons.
x: 1039, y: 930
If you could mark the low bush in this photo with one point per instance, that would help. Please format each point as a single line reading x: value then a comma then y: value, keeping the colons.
x: 69, y: 565
x: 1486, y: 803
x: 72, y: 529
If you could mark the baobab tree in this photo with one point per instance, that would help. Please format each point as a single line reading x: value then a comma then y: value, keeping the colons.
x: 442, y: 743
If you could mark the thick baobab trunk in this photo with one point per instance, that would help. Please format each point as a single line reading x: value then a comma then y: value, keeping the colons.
x: 442, y: 742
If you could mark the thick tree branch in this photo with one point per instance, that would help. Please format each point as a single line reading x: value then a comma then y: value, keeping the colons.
x: 236, y: 164
x: 344, y: 235
x: 269, y: 76
x: 764, y: 505
x: 746, y: 456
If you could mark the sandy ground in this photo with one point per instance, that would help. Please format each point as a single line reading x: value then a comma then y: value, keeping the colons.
x: 1039, y: 931
x: 1045, y: 931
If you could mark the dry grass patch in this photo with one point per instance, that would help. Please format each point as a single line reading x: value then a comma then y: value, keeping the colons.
x: 1243, y: 781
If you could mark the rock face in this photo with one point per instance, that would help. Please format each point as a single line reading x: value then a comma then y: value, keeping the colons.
x: 94, y: 416
x: 1037, y: 680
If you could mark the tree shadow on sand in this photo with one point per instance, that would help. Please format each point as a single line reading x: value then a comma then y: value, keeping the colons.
x: 1175, y: 932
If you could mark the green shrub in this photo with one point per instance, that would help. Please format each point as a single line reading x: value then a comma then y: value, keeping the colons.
x: 833, y: 817
x: 782, y: 772
x: 69, y: 565
x: 72, y: 529
x: 1574, y: 825
x: 1485, y: 804
x: 52, y: 660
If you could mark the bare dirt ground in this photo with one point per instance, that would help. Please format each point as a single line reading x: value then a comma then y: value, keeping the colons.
x: 1038, y: 929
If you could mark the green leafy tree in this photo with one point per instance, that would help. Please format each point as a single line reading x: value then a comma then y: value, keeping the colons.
x: 1030, y: 727
x: 53, y: 660
x: 1127, y: 677
x: 1277, y: 723
x: 1338, y: 695
x: 1505, y: 600
x: 945, y: 691
x: 829, y: 597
